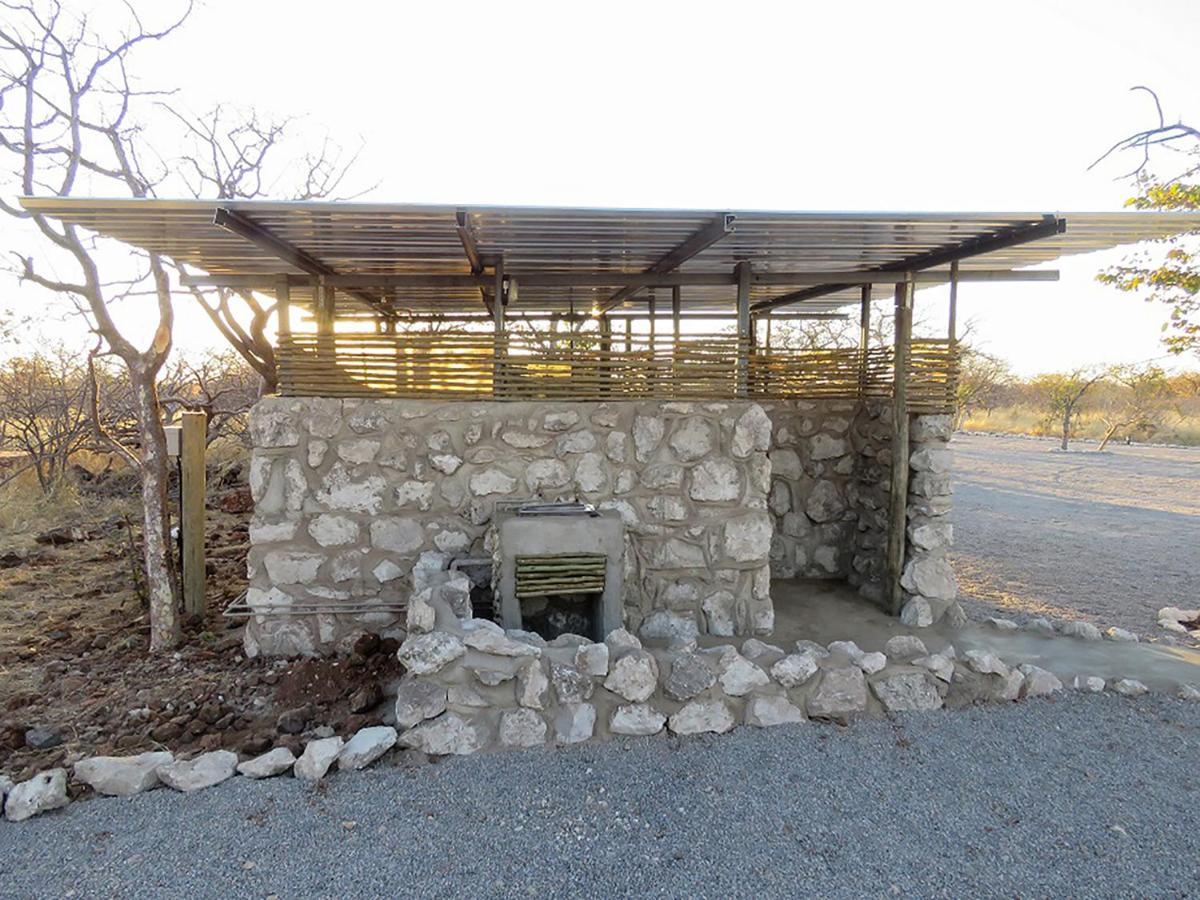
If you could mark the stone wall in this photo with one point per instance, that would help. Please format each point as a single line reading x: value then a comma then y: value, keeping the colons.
x: 470, y: 685
x: 814, y: 466
x: 350, y: 495
x: 927, y: 576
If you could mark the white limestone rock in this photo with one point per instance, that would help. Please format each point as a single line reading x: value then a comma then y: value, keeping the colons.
x: 842, y: 691
x: 702, y: 716
x: 592, y: 659
x: 560, y: 420
x: 574, y: 723
x: 716, y: 480
x: 907, y: 691
x: 620, y: 640
x: 647, y: 434
x: 930, y: 576
x: 917, y: 613
x: 591, y: 476
x: 1172, y: 618
x: 317, y: 758
x: 633, y: 676
x: 397, y: 535
x: 636, y: 719
x: 795, y: 669
x: 122, y: 776
x: 1038, y: 681
x: 367, y: 745
x: 420, y: 617
x: 425, y: 654
x: 692, y: 439
x: 546, y: 473
x: 570, y: 684
x: 204, y: 771
x: 748, y: 537
x: 905, y: 647
x: 486, y: 640
x: 824, y: 446
x: 751, y: 433
x: 1085, y: 631
x: 665, y: 625
x: 936, y: 460
x: 762, y: 653
x: 1092, y: 684
x: 447, y: 735
x: 522, y: 728
x: 872, y: 662
x: 939, y: 664
x: 1001, y: 624
x: 417, y: 701
x: 41, y: 793
x: 1130, y: 687
x: 739, y: 676
x: 720, y: 608
x: 1121, y: 635
x: 1188, y: 692
x: 812, y: 648
x: 765, y: 711
x: 292, y: 566
x: 985, y: 663
x: 533, y: 687
x: 268, y: 765
x: 491, y: 481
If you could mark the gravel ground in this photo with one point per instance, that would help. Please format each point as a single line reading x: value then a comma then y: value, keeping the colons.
x: 1072, y: 796
x: 1107, y: 537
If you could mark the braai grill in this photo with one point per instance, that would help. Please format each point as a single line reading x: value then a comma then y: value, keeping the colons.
x: 560, y: 556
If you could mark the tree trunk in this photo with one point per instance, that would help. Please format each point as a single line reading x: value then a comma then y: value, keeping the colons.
x: 1066, y: 435
x: 1108, y: 436
x: 161, y: 583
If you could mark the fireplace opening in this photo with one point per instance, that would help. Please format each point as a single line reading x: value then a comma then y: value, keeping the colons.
x: 560, y: 569
x: 560, y: 594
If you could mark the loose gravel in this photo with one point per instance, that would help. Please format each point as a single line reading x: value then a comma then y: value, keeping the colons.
x: 1080, y: 796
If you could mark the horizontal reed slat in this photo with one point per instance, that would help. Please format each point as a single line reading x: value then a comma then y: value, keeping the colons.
x: 473, y: 366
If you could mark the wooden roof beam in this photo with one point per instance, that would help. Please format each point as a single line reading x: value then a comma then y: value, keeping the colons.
x: 246, y: 228
x: 704, y: 238
x: 466, y: 235
x: 1047, y: 226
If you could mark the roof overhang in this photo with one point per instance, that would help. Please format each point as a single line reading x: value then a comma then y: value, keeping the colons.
x: 421, y: 258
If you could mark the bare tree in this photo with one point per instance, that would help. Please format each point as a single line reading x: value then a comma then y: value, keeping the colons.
x: 68, y: 117
x: 235, y: 156
x: 44, y: 412
x: 982, y: 382
x: 220, y: 385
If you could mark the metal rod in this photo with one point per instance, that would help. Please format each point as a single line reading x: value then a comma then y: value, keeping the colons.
x: 267, y: 280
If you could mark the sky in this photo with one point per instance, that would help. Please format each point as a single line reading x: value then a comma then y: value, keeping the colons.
x: 792, y: 106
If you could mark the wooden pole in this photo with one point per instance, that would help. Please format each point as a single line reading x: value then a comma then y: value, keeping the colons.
x: 898, y: 500
x: 676, y: 310
x: 191, y: 515
x: 864, y: 338
x: 283, y: 299
x: 743, y: 273
x: 952, y: 330
x: 498, y: 333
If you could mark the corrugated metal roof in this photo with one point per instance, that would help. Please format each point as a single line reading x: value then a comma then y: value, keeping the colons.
x: 400, y: 239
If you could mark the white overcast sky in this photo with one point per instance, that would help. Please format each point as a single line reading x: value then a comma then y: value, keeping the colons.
x: 861, y: 106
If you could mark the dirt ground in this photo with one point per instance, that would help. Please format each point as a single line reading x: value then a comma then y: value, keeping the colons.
x: 74, y: 661
x: 1106, y: 537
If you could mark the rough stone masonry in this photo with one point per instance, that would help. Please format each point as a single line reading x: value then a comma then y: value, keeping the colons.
x: 351, y: 495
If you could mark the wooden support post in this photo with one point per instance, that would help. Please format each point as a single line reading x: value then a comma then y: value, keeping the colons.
x: 191, y: 513
x: 283, y: 314
x: 952, y: 330
x: 743, y: 273
x: 898, y: 500
x: 629, y: 335
x: 864, y: 338
x: 676, y: 310
x: 498, y: 334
